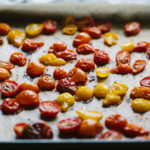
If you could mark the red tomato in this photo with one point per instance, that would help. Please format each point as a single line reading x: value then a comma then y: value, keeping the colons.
x: 94, y: 32
x: 1, y: 40
x: 19, y: 127
x: 101, y: 57
x: 148, y: 51
x: 59, y: 73
x: 123, y: 57
x: 104, y: 26
x: 10, y: 106
x: 49, y: 108
x: 111, y: 135
x: 132, y: 27
x: 9, y: 88
x: 81, y: 38
x: 6, y: 65
x: 115, y: 122
x: 86, y: 64
x: 122, y: 69
x: 70, y: 125
x: 145, y: 82
x: 85, y: 49
x: 4, y: 29
x: 67, y: 54
x: 139, y: 66
x: 85, y: 22
x: 49, y: 26
x: 141, y: 46
x: 57, y: 47
x: 31, y: 45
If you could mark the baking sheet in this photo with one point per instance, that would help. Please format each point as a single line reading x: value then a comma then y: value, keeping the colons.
x: 101, y: 11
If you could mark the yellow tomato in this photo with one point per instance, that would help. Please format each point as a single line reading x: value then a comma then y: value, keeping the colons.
x: 112, y: 99
x: 85, y: 114
x: 68, y: 20
x: 110, y: 38
x: 101, y: 90
x: 102, y: 72
x: 33, y: 29
x: 51, y: 59
x: 16, y: 37
x: 84, y: 93
x: 140, y: 105
x: 65, y: 100
x: 119, y: 89
x: 70, y: 29
x: 128, y: 46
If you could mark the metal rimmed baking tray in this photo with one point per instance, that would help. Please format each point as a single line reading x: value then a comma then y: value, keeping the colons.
x: 18, y: 16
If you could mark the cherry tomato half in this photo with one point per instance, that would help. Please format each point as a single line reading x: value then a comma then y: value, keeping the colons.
x: 59, y: 73
x: 4, y: 29
x: 85, y: 49
x: 18, y: 129
x: 9, y: 88
x: 1, y: 41
x: 4, y: 74
x: 70, y: 29
x: 141, y: 46
x: 58, y: 47
x: 139, y: 66
x: 6, y: 65
x: 70, y: 125
x: 145, y: 82
x: 104, y: 26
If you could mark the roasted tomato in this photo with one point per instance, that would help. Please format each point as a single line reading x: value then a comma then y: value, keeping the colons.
x: 111, y: 135
x: 1, y: 41
x: 85, y: 49
x: 49, y: 26
x: 67, y: 55
x: 104, y: 26
x: 148, y: 51
x: 77, y: 75
x: 18, y: 129
x: 28, y: 98
x: 69, y: 126
x: 4, y: 29
x: 139, y: 66
x: 39, y: 130
x: 89, y: 128
x: 101, y: 57
x: 102, y: 72
x: 18, y: 58
x: 132, y: 130
x: 49, y: 108
x: 145, y: 82
x: 132, y: 28
x: 68, y: 20
x: 70, y: 29
x: 86, y: 64
x: 128, y: 46
x: 4, y: 74
x: 59, y: 73
x: 46, y: 83
x: 81, y: 38
x: 141, y: 46
x: 31, y: 45
x: 94, y: 32
x: 6, y: 65
x: 115, y: 122
x: 123, y: 57
x: 35, y: 69
x: 9, y: 88
x: 57, y: 47
x: 140, y: 92
x: 66, y: 85
x: 85, y: 22
x: 29, y: 86
x: 122, y: 69
x: 10, y: 106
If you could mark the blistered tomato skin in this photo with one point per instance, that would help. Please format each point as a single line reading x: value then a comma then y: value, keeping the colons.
x: 70, y: 29
x: 123, y: 57
x: 132, y: 28
x: 18, y: 129
x: 69, y: 126
x: 59, y: 46
x: 81, y: 38
x: 77, y: 75
x: 4, y: 28
x: 31, y: 45
x: 39, y: 130
x: 6, y: 65
x: 66, y: 85
x: 28, y: 98
x: 86, y: 64
x: 59, y: 73
x: 145, y: 82
x: 141, y: 46
x: 18, y: 58
x: 94, y: 32
x: 49, y: 108
x: 35, y: 69
x: 85, y: 49
x: 10, y: 106
x: 104, y: 26
x: 46, y: 83
x: 139, y: 66
x: 115, y: 122
x: 4, y: 74
x: 101, y: 57
x: 49, y: 26
x: 111, y: 135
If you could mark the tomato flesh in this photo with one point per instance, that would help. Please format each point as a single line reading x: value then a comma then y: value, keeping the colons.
x: 6, y: 65
x: 104, y: 26
x: 18, y: 129
x: 141, y: 46
x: 145, y: 82
x: 139, y: 66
